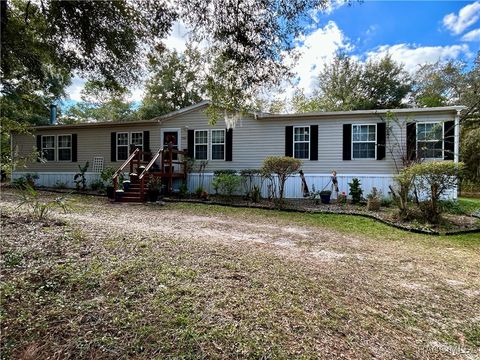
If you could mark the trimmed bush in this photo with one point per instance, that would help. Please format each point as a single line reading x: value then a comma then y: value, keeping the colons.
x: 283, y: 167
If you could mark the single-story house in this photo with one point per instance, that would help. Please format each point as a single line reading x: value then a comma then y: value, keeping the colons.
x: 363, y: 144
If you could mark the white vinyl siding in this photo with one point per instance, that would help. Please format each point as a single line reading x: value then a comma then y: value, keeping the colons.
x: 430, y: 140
x: 218, y: 145
x: 201, y: 145
x: 48, y: 147
x: 364, y: 139
x: 64, y: 146
x: 301, y: 142
x: 122, y: 146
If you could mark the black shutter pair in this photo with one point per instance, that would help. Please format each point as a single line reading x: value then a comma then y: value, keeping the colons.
x: 313, y: 141
x: 228, y: 144
x: 381, y: 141
x: 448, y: 140
x: 74, y: 147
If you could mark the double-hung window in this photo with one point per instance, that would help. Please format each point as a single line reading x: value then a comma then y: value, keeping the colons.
x: 364, y: 140
x: 122, y: 146
x: 218, y: 144
x: 301, y: 142
x: 137, y: 140
x: 48, y: 147
x: 64, y: 145
x: 201, y: 144
x: 430, y: 140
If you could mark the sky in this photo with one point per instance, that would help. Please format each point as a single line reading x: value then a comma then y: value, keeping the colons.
x: 412, y: 32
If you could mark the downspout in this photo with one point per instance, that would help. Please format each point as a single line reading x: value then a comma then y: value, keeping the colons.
x: 456, y: 144
x: 456, y: 148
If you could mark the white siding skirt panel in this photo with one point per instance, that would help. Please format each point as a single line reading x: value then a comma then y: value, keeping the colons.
x: 52, y: 179
x: 293, y: 186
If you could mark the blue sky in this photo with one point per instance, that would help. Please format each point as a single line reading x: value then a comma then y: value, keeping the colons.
x: 412, y: 32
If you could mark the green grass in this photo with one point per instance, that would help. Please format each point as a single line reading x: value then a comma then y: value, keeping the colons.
x: 469, y: 205
x: 345, y: 224
x: 88, y: 291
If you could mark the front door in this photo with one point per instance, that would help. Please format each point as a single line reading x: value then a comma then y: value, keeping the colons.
x: 171, y: 136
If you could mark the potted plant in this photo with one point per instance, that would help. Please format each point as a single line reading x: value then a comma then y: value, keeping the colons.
x: 126, y: 185
x: 107, y: 176
x: 154, y: 188
x: 325, y: 196
x: 119, y: 194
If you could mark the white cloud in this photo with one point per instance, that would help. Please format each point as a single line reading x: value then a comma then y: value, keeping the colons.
x: 334, y: 5
x: 75, y: 89
x: 467, y: 16
x: 177, y: 39
x: 413, y: 56
x: 316, y: 49
x: 473, y: 35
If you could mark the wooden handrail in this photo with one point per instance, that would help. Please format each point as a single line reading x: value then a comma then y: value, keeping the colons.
x: 154, y: 158
x: 130, y: 158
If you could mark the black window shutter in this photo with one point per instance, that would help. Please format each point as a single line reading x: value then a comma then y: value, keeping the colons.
x: 113, y: 146
x: 289, y: 141
x: 228, y: 145
x: 411, y: 141
x: 347, y: 141
x: 74, y: 148
x: 381, y: 140
x: 39, y: 147
x: 146, y: 141
x: 448, y: 140
x: 314, y: 142
x: 191, y: 143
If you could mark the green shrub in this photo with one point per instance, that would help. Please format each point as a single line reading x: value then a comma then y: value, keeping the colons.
x: 107, y: 175
x: 79, y: 178
x: 283, y: 167
x: 251, y: 190
x: 96, y: 185
x: 224, y: 172
x: 226, y: 184
x: 356, y: 191
x: 60, y: 185
x: 432, y: 179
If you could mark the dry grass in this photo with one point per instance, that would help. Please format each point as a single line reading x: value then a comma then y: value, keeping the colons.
x: 191, y: 281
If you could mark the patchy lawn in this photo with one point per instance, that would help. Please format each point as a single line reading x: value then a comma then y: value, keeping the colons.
x: 197, y: 281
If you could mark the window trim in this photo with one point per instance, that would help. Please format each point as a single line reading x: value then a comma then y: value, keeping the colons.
x: 224, y: 144
x: 58, y: 147
x: 128, y: 144
x: 302, y: 142
x: 441, y: 124
x: 195, y: 144
x: 54, y: 147
x: 368, y: 141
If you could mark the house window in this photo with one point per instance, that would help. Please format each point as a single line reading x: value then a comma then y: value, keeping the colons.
x: 218, y: 144
x: 64, y: 144
x: 201, y: 144
x: 122, y: 146
x: 430, y: 140
x: 137, y: 140
x: 48, y: 147
x: 364, y: 141
x: 301, y: 142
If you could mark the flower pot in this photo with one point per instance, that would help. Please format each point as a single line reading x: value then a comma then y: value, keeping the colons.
x: 153, y: 195
x: 119, y: 194
x: 126, y: 185
x: 110, y: 192
x: 325, y: 198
